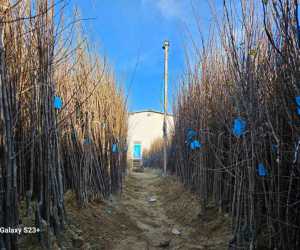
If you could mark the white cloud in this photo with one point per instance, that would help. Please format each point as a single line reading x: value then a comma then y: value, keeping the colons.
x: 169, y: 9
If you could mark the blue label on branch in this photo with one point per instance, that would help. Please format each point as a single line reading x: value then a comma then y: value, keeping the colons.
x: 298, y: 110
x: 57, y: 102
x: 297, y: 99
x: 262, y: 170
x: 195, y: 145
x: 87, y: 141
x: 114, y: 148
x: 274, y: 147
x: 239, y: 127
x: 190, y: 134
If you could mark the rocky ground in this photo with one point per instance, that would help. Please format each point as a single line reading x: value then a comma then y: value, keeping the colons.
x: 152, y: 213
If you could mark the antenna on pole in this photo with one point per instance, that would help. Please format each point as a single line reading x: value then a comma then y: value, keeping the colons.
x: 166, y: 50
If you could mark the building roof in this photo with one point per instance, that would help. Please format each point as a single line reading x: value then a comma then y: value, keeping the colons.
x: 147, y: 111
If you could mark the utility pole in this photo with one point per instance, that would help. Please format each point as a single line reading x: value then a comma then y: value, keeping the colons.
x: 166, y: 50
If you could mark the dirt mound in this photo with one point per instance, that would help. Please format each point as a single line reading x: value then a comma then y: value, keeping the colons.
x: 209, y: 225
x: 178, y: 202
x: 101, y: 224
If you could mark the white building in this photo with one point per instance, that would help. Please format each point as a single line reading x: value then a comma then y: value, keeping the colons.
x: 143, y: 128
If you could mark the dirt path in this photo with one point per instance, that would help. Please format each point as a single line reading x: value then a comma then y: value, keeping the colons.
x: 160, y: 225
x: 173, y: 221
x: 151, y: 217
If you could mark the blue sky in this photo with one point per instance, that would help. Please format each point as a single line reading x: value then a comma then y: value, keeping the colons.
x: 131, y: 33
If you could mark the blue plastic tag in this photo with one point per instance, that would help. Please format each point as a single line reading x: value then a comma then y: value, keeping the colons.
x: 87, y: 141
x: 114, y: 148
x: 297, y: 99
x: 239, y: 127
x: 195, y: 145
x: 274, y: 147
x: 298, y: 110
x: 262, y: 170
x: 190, y: 134
x: 57, y: 102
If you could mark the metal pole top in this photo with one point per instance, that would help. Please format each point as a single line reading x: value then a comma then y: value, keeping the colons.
x: 166, y: 44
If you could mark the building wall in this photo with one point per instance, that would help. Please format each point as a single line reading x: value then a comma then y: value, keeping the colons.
x: 145, y: 127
